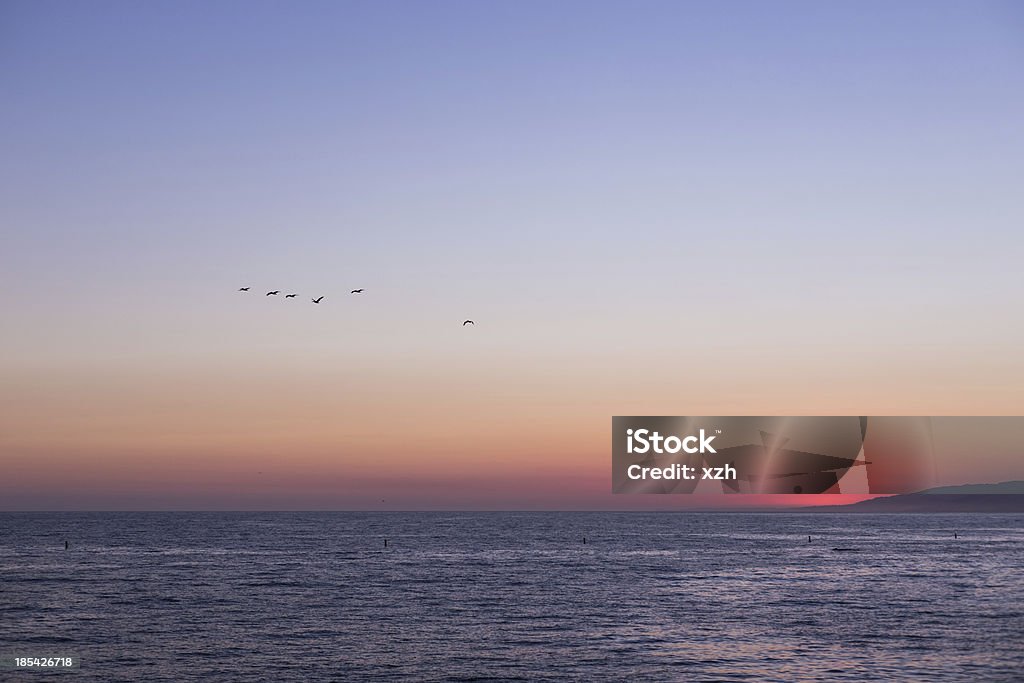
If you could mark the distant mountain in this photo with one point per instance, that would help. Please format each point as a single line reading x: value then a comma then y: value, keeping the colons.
x: 1002, y: 488
x: 1007, y: 496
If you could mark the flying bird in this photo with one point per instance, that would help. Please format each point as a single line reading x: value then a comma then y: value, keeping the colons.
x: 468, y: 322
x: 243, y: 289
x: 290, y: 296
x: 317, y: 300
x: 356, y: 291
x: 274, y: 293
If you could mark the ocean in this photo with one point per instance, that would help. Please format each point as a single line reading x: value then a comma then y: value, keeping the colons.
x: 514, y: 596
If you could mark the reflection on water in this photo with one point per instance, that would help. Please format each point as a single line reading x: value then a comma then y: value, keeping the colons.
x: 297, y: 597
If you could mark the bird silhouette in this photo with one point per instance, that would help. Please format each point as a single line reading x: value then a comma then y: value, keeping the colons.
x: 468, y: 322
x: 317, y: 300
x: 274, y: 293
x: 290, y: 296
x: 356, y: 291
x: 243, y: 289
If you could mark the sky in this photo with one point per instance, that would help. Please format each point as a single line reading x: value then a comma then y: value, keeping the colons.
x: 648, y: 208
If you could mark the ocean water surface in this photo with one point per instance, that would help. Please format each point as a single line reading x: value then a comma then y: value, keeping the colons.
x: 515, y: 596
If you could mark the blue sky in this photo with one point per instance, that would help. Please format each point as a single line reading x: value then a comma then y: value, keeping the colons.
x: 650, y: 207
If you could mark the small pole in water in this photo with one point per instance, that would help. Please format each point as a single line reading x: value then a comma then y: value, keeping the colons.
x: 954, y: 535
x: 808, y: 538
x: 65, y: 545
x: 385, y: 543
x: 584, y: 540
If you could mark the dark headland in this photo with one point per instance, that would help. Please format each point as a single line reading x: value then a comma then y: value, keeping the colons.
x: 1007, y: 496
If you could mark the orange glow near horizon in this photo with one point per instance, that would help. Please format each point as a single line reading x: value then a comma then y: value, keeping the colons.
x: 487, y: 437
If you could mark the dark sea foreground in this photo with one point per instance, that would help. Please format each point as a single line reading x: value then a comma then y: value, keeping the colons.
x: 506, y: 596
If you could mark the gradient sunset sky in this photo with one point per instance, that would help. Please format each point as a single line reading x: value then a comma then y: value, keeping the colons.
x: 648, y: 208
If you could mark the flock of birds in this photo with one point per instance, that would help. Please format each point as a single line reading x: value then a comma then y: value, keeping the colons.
x: 320, y: 298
